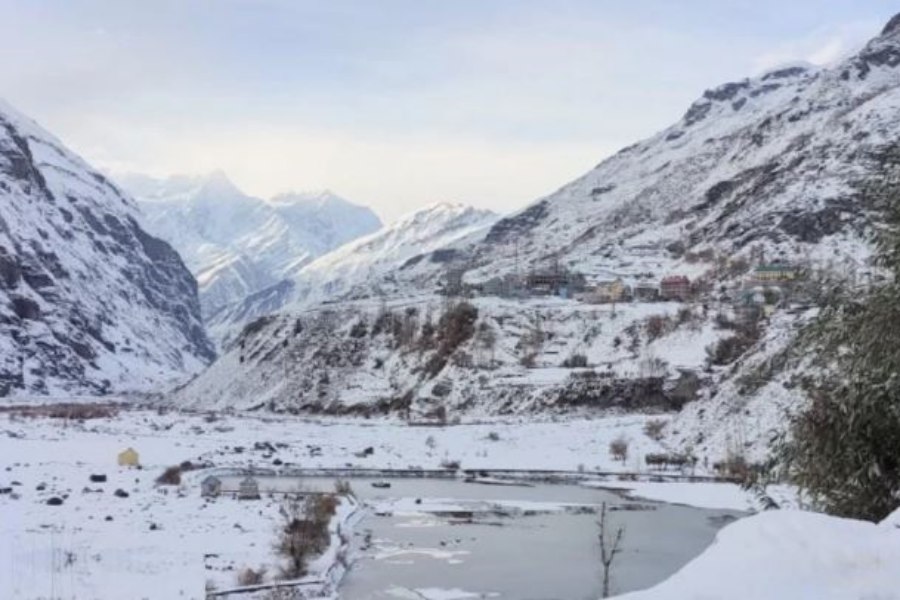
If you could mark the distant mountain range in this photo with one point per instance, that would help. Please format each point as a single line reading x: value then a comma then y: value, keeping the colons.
x: 237, y: 245
x: 350, y: 270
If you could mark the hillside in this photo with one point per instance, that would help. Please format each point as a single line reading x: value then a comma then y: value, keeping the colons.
x: 350, y: 270
x: 89, y: 302
x: 759, y: 176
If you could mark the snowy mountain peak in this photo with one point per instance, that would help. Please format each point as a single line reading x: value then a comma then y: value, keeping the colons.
x: 236, y: 244
x: 443, y: 214
x: 315, y: 197
x: 218, y: 186
x: 892, y: 26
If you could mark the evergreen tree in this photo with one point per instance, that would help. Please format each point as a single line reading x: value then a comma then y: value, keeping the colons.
x: 844, y: 449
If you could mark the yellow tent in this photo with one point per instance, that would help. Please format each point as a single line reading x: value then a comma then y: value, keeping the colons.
x: 128, y: 458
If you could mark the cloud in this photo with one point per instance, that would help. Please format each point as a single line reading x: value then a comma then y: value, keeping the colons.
x: 398, y: 103
x: 396, y: 173
x: 823, y: 47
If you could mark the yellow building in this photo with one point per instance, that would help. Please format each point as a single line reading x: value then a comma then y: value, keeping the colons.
x: 129, y: 458
x: 605, y: 292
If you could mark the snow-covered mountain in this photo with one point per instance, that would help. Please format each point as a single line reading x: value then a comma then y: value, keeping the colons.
x: 350, y: 270
x: 89, y: 302
x: 757, y: 170
x: 237, y: 245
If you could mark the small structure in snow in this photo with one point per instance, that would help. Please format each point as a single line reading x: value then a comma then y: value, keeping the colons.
x: 605, y: 292
x: 507, y: 286
x: 129, y: 458
x: 210, y: 487
x: 775, y: 273
x: 646, y: 292
x: 248, y: 489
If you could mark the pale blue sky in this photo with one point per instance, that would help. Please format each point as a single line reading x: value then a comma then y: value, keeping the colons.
x: 396, y: 103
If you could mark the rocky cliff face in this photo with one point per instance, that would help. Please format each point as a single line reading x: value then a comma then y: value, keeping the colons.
x: 89, y: 302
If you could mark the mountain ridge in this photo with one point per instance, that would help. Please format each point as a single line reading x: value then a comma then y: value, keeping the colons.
x: 237, y: 244
x: 89, y: 302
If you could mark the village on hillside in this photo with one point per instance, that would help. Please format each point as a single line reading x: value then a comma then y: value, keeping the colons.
x: 754, y: 288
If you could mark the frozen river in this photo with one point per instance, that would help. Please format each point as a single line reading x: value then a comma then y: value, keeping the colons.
x: 451, y: 540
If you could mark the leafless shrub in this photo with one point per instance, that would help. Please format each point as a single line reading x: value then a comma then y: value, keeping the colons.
x: 575, y: 361
x: 450, y: 465
x: 248, y: 576
x: 303, y: 532
x: 342, y: 487
x: 656, y: 326
x: 610, y: 547
x: 653, y: 429
x: 618, y: 449
x: 729, y: 349
x: 455, y: 327
x: 528, y: 360
x: 171, y: 476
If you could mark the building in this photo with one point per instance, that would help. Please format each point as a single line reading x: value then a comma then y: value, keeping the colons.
x: 546, y: 282
x: 508, y: 286
x: 606, y: 292
x: 613, y: 291
x: 775, y: 273
x: 675, y: 287
x: 211, y: 487
x: 556, y: 282
x: 129, y: 458
x: 646, y: 292
x: 248, y: 489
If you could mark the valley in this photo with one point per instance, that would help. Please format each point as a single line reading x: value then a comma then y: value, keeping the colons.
x: 683, y: 358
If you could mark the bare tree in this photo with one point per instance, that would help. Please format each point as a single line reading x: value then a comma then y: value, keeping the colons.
x: 618, y: 448
x: 610, y: 546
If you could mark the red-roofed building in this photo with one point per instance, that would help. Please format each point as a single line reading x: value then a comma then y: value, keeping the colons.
x: 675, y: 287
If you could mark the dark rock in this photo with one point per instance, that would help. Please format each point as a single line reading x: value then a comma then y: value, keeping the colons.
x: 505, y: 229
x: 726, y: 91
x: 54, y: 501
x: 697, y: 112
x: 785, y: 73
x: 892, y: 26
x: 25, y: 308
x: 98, y: 478
x: 120, y: 493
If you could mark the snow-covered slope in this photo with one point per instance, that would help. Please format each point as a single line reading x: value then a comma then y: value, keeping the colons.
x: 757, y: 170
x: 790, y: 554
x: 350, y: 270
x: 377, y: 256
x: 89, y: 302
x: 236, y: 244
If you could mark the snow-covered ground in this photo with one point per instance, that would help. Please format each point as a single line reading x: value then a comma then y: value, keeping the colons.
x: 168, y: 542
x: 793, y: 555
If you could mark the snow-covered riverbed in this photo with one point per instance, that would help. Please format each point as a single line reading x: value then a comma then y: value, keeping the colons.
x: 167, y: 542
